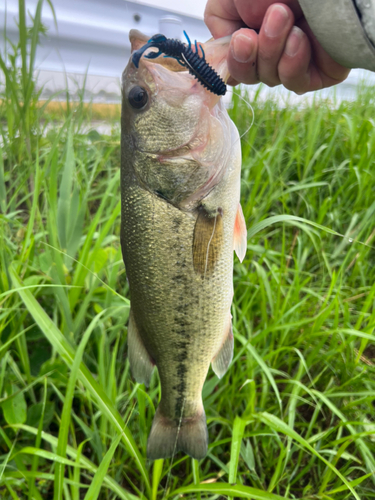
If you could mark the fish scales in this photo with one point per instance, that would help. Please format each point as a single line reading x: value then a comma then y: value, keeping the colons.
x: 177, y: 318
x: 177, y: 242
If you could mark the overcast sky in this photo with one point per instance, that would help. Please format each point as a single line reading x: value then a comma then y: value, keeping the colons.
x: 189, y: 7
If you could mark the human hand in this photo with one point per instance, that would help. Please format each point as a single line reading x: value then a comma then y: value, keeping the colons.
x: 285, y: 50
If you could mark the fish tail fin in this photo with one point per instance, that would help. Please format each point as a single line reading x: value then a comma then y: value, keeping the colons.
x: 169, y: 436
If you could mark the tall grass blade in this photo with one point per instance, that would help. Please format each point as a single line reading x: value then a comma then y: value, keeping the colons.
x: 280, y: 426
x: 23, y: 42
x: 34, y: 40
x: 55, y: 337
x: 195, y: 467
x: 3, y: 192
x: 256, y: 228
x: 157, y: 470
x: 100, y: 474
x: 64, y: 203
x: 66, y: 413
x: 262, y: 364
x: 237, y: 435
x: 14, y: 408
x: 84, y: 463
x: 226, y: 489
x: 38, y: 441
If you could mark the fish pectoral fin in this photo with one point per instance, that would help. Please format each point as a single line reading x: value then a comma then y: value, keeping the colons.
x: 168, y: 436
x: 240, y: 234
x: 223, y: 358
x: 141, y: 364
x: 208, y: 241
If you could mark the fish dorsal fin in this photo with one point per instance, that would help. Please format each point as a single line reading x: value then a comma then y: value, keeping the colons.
x: 240, y: 234
x: 208, y: 241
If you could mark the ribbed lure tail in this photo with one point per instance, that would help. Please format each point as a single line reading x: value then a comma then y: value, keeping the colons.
x: 167, y: 436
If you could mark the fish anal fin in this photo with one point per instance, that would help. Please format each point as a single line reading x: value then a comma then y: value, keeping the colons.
x: 223, y: 358
x: 240, y: 234
x: 208, y: 241
x: 141, y: 364
x: 168, y: 436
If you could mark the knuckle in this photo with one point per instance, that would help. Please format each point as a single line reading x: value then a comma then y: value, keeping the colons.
x: 250, y: 80
x: 207, y: 16
x: 252, y: 12
x: 245, y: 75
x: 271, y: 83
x: 270, y: 78
x: 340, y: 74
x: 294, y: 77
x: 295, y: 88
x: 296, y: 85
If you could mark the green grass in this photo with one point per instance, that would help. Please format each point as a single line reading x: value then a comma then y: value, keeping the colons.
x: 293, y: 418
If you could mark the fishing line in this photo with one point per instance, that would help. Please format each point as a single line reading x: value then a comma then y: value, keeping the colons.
x: 239, y: 94
x: 126, y: 301
x: 206, y: 265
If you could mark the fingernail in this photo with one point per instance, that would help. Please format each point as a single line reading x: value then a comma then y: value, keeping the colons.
x: 275, y: 22
x: 242, y: 48
x: 294, y: 41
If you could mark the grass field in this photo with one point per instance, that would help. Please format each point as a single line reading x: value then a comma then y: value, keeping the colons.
x: 293, y: 418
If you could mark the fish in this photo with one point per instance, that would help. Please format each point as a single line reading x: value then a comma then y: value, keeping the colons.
x: 181, y: 219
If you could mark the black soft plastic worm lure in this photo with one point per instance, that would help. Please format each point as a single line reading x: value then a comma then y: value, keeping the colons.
x: 184, y: 54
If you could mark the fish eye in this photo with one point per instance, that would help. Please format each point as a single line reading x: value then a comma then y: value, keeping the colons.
x: 138, y: 97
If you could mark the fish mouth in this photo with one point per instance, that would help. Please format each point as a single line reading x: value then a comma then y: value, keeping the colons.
x: 215, y: 53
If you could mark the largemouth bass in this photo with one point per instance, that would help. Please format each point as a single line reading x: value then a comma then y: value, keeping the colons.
x: 181, y: 221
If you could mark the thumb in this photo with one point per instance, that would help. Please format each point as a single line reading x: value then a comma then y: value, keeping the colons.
x: 222, y: 18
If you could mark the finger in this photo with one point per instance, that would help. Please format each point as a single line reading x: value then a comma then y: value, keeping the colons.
x: 242, y: 56
x: 232, y: 82
x: 222, y: 18
x: 273, y: 34
x: 295, y: 67
x: 299, y: 72
x: 253, y: 12
x: 330, y: 72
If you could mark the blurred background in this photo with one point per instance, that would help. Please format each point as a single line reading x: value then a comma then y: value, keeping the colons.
x: 86, y: 45
x: 89, y: 45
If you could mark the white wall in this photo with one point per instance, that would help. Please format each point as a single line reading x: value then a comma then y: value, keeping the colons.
x: 93, y: 37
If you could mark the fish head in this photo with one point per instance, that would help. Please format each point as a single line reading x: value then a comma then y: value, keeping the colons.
x: 175, y: 129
